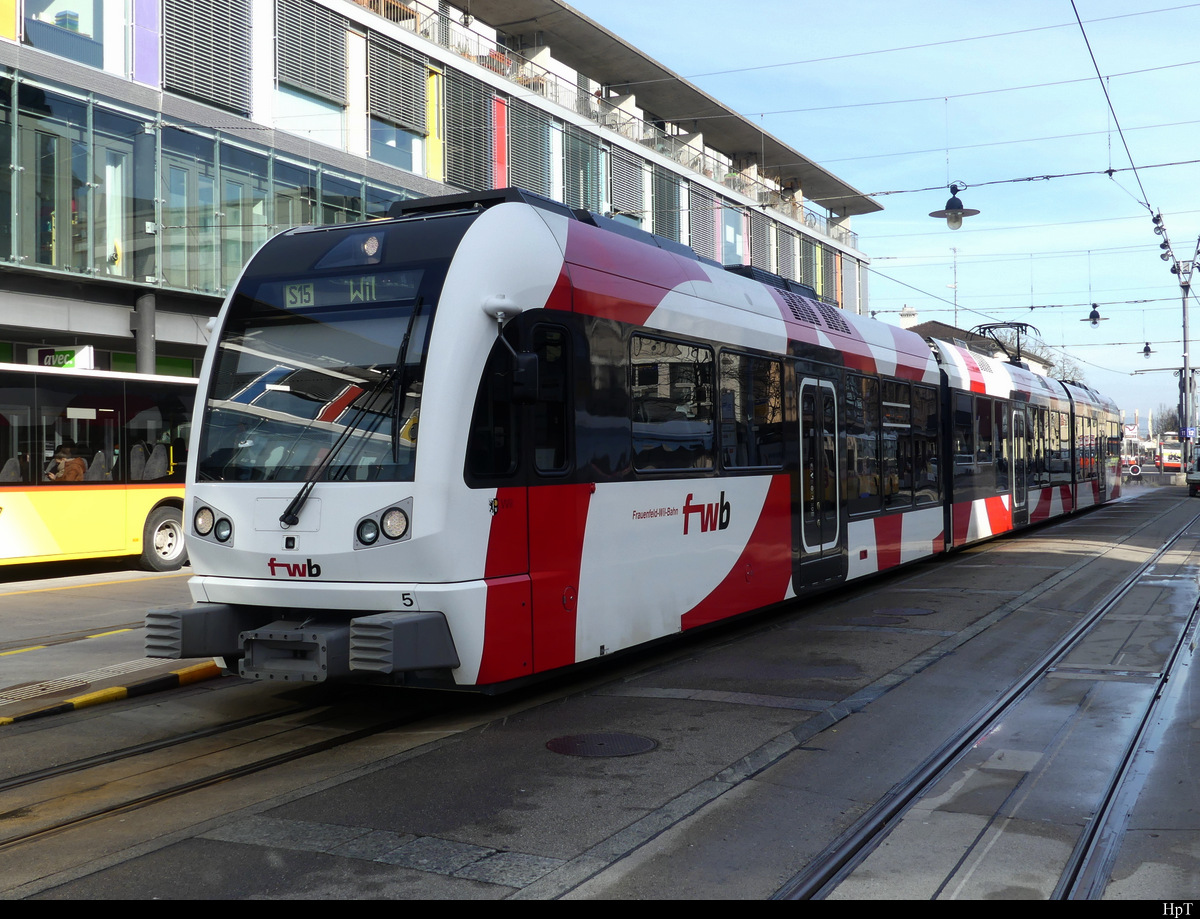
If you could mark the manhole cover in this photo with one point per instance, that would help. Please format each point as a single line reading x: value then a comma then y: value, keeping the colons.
x: 601, y: 745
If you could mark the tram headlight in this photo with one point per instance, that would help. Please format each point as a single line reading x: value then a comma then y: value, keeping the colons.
x: 395, y: 523
x: 368, y: 531
x: 223, y: 529
x: 204, y: 520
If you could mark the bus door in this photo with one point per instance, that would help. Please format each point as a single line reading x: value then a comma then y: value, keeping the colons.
x: 1020, y: 463
x: 820, y: 495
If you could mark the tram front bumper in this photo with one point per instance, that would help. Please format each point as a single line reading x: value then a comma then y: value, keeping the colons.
x: 270, y: 644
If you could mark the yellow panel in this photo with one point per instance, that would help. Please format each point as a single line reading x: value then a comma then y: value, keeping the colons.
x: 49, y: 522
x: 8, y: 19
x: 435, y: 167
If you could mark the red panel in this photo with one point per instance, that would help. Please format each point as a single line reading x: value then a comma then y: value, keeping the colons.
x: 507, y: 551
x: 960, y: 515
x: 499, y: 142
x: 560, y: 297
x: 1044, y: 505
x: 611, y: 253
x: 610, y: 296
x: 888, y: 540
x: 999, y: 515
x: 973, y: 371
x: 508, y: 632
x: 763, y: 571
x: 557, y: 521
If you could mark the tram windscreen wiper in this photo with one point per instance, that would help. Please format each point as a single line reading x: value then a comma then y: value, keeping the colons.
x: 291, y: 514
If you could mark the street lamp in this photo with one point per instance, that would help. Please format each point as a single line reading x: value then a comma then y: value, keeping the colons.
x: 954, y: 212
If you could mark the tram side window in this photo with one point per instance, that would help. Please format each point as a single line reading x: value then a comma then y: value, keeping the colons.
x: 1001, y: 431
x: 1059, y: 460
x: 1086, y: 448
x: 1038, y: 473
x: 862, y: 445
x: 550, y: 414
x: 671, y: 388
x: 751, y: 411
x: 492, y: 443
x: 927, y: 483
x: 964, y: 437
x: 897, y: 445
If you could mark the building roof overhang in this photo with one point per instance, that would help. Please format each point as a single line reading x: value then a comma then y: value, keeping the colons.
x: 595, y: 52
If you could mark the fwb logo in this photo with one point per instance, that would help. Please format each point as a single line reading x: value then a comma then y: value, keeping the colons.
x: 305, y: 569
x: 712, y: 516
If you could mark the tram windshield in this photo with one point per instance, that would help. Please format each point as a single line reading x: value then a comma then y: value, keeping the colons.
x: 319, y: 376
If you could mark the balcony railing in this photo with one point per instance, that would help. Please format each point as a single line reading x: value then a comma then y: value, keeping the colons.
x: 454, y: 36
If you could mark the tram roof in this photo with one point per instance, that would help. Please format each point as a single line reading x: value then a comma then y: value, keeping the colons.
x: 591, y: 49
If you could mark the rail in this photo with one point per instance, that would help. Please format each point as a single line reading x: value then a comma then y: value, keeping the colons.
x: 537, y: 80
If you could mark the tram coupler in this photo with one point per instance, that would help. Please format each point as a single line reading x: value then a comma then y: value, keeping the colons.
x: 295, y: 651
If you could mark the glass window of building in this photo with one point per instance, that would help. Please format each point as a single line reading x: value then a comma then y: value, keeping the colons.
x: 74, y: 30
x: 52, y: 140
x: 733, y: 236
x: 189, y: 209
x: 123, y: 154
x: 380, y: 198
x: 295, y: 194
x: 245, y: 220
x: 7, y: 252
x: 341, y: 198
x: 309, y: 116
x: 397, y: 147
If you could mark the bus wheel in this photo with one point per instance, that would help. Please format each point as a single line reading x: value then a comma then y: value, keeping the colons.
x: 162, y: 541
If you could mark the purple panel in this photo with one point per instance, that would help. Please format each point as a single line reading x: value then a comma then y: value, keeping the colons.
x: 147, y: 29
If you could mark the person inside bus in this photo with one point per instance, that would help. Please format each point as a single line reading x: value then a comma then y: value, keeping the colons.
x: 67, y: 467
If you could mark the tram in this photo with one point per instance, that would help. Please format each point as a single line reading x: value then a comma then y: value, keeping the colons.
x: 492, y: 437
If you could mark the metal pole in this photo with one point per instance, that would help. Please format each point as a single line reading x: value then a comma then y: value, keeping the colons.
x: 1185, y: 281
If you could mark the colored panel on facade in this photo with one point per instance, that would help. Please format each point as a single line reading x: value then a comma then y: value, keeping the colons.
x: 500, y: 143
x: 147, y: 42
x: 435, y: 148
x: 8, y: 19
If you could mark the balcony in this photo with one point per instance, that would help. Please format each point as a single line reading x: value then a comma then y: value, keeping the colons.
x: 454, y: 36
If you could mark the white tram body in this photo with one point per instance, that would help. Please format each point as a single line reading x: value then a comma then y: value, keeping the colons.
x: 492, y: 437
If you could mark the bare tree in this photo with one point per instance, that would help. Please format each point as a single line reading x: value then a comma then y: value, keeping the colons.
x: 1062, y: 367
x: 1166, y: 419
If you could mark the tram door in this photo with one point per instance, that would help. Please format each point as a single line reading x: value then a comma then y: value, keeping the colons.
x: 1020, y: 458
x: 820, y: 483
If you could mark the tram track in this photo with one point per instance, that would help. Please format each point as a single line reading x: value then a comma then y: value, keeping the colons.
x: 47, y: 802
x: 215, y: 782
x: 1083, y: 876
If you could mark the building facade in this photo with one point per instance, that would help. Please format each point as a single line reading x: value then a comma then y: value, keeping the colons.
x: 153, y: 145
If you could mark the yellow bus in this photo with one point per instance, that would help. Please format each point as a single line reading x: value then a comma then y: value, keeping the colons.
x: 92, y: 465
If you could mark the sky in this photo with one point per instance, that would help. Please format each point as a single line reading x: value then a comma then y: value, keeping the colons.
x: 901, y: 99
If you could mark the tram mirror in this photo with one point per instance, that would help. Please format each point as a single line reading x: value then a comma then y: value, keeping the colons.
x: 525, y: 377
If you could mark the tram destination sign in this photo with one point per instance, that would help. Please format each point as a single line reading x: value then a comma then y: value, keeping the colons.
x: 344, y: 290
